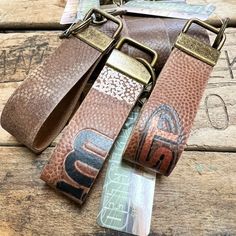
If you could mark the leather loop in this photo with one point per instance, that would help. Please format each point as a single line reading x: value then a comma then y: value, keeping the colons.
x: 90, y: 135
x: 40, y: 108
x: 165, y: 121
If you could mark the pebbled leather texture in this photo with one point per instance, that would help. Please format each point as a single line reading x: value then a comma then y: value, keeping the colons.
x: 160, y: 135
x: 33, y: 114
x: 40, y: 108
x: 88, y: 139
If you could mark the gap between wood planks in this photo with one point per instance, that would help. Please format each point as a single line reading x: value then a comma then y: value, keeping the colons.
x: 197, y: 199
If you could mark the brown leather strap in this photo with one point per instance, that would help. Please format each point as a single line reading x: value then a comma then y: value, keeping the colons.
x: 42, y: 105
x: 90, y: 135
x: 159, y: 34
x: 160, y: 135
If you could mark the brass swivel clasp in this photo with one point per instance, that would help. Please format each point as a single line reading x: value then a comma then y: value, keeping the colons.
x: 96, y: 17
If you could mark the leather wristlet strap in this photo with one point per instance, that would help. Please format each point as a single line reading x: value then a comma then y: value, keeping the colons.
x: 164, y: 125
x: 90, y: 135
x: 42, y: 105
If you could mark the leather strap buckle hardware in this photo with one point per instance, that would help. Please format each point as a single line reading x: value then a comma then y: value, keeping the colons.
x: 194, y: 47
x: 139, y: 46
x: 133, y: 71
x: 86, y: 32
x: 139, y: 70
x: 148, y: 87
x: 75, y: 26
x: 88, y: 19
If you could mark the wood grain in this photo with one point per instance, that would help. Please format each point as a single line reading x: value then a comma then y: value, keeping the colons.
x: 40, y: 14
x: 216, y: 117
x: 198, y: 199
x: 43, y: 14
x: 215, y: 124
x: 22, y: 52
x: 224, y: 8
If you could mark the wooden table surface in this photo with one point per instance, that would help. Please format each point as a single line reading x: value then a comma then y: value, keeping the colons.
x: 199, y: 198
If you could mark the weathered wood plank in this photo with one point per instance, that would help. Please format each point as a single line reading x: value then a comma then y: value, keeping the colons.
x: 223, y: 9
x: 199, y: 198
x: 39, y: 14
x: 22, y: 52
x: 43, y: 14
x: 215, y: 124
x: 19, y: 54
